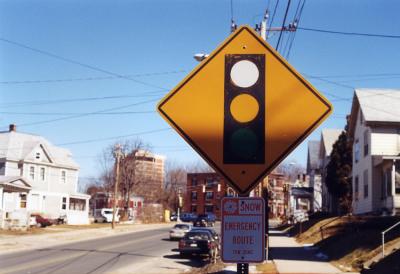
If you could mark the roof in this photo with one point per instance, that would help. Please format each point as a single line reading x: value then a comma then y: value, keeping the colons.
x: 379, y: 105
x: 313, y: 155
x: 17, y: 146
x: 14, y: 182
x: 328, y: 138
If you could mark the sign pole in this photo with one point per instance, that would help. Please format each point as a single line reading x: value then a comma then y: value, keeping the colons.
x: 242, y: 268
x: 265, y: 196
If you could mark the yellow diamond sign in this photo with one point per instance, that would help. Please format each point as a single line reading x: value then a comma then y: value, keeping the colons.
x: 244, y: 109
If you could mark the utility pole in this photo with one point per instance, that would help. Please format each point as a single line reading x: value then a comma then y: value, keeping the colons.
x: 117, y: 155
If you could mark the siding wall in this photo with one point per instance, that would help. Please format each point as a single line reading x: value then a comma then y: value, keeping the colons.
x: 385, y: 141
x: 363, y: 204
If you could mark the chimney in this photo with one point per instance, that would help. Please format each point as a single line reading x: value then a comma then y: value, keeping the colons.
x: 13, y: 127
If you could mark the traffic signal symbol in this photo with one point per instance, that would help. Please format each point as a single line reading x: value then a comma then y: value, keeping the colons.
x: 244, y: 109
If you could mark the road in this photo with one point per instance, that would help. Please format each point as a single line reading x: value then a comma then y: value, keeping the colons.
x: 147, y: 251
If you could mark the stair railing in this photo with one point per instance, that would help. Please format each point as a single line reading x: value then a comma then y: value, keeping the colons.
x: 383, y: 237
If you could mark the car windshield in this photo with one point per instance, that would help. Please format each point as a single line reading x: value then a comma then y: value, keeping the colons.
x: 107, y: 212
x: 181, y: 226
x: 198, y: 235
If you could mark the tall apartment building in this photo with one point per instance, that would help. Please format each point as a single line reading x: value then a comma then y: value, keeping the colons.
x: 148, y: 171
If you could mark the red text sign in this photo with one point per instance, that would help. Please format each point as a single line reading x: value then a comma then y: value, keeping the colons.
x: 243, y: 230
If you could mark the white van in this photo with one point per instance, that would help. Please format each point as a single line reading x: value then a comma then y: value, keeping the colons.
x: 105, y: 215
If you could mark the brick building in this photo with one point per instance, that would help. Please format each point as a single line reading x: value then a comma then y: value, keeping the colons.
x: 278, y: 198
x: 204, y: 192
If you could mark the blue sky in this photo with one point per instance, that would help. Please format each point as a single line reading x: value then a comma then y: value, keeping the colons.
x: 153, y: 42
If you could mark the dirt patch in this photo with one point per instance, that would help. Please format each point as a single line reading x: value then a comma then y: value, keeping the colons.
x: 348, y: 241
x: 268, y: 268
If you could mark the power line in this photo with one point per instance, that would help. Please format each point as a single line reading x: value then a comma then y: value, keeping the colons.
x: 89, y: 78
x: 283, y: 24
x: 351, y: 33
x: 76, y: 113
x: 68, y: 60
x: 82, y: 99
x: 89, y: 113
x: 114, y: 137
x: 273, y: 15
x: 297, y: 21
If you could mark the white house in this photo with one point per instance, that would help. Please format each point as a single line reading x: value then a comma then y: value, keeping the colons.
x: 314, y: 173
x: 374, y: 130
x: 328, y: 138
x: 39, y: 177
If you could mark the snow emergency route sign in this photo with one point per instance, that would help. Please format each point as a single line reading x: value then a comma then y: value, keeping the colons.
x: 243, y: 230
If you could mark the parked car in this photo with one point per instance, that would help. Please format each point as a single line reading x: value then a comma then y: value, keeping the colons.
x: 204, y: 220
x: 188, y: 217
x: 209, y: 229
x: 41, y: 221
x: 199, y: 243
x: 179, y: 231
x: 210, y: 217
x: 105, y: 216
x: 173, y: 217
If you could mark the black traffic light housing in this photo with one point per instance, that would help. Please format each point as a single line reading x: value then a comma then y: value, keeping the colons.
x: 244, y: 142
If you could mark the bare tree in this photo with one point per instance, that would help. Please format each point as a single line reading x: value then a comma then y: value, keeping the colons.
x: 131, y: 180
x: 175, y: 184
x: 290, y: 169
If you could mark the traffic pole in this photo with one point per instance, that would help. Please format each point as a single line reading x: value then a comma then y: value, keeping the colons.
x: 243, y: 268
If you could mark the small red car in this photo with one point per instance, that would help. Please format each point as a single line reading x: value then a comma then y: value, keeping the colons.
x: 41, y: 221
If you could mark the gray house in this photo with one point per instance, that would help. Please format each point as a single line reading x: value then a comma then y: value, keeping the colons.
x: 38, y: 177
x: 374, y: 130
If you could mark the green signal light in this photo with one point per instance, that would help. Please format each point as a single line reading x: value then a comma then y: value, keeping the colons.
x: 244, y: 143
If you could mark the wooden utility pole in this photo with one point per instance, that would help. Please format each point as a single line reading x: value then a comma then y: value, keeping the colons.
x: 117, y: 155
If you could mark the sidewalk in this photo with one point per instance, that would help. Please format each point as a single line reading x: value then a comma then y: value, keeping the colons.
x: 58, y: 236
x: 291, y: 257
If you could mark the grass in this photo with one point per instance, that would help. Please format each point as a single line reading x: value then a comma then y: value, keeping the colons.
x: 349, y: 241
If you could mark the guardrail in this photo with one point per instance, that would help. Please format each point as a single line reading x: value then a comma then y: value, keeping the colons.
x: 383, y: 237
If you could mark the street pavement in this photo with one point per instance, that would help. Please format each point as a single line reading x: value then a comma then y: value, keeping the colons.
x: 148, y: 251
x: 291, y: 257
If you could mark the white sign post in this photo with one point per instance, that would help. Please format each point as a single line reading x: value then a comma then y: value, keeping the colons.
x: 243, y: 230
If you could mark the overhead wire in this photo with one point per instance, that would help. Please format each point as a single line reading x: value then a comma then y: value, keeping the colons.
x: 93, y: 78
x: 273, y: 16
x: 351, y: 33
x: 283, y: 24
x: 297, y: 21
x: 68, y: 60
x: 87, y: 114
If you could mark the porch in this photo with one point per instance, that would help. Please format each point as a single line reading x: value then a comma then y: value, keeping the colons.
x: 13, y: 201
x: 386, y: 179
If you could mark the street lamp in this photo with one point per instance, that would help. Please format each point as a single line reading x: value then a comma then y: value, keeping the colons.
x: 200, y: 56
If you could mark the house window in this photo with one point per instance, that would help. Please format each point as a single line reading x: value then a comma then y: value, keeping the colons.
x: 397, y: 178
x: 32, y: 172
x: 357, y: 151
x: 194, y: 195
x: 77, y: 204
x: 388, y: 178
x: 209, y: 182
x: 365, y: 183
x: 209, y: 195
x: 366, y: 143
x: 22, y: 203
x: 63, y: 176
x: 209, y: 208
x: 2, y: 168
x: 37, y: 155
x: 194, y: 209
x: 194, y: 181
x: 64, y: 203
x: 361, y: 117
x: 356, y: 188
x: 42, y: 173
